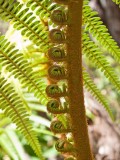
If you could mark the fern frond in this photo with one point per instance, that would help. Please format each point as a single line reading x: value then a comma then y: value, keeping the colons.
x: 91, y: 51
x: 42, y: 8
x: 24, y: 20
x: 95, y: 26
x: 13, y: 108
x: 20, y: 68
x: 92, y: 88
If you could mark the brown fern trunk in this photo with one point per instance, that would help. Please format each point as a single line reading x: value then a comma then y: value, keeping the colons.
x: 75, y: 82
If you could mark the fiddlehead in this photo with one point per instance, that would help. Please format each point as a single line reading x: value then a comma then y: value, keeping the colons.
x: 57, y: 54
x: 55, y: 107
x: 59, y: 17
x: 57, y: 72
x: 54, y: 91
x: 64, y: 146
x: 58, y: 127
x: 57, y: 36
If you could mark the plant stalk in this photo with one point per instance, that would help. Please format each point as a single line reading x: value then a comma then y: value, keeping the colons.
x: 75, y: 81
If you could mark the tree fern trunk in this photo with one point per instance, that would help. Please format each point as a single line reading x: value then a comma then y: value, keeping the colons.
x: 75, y: 82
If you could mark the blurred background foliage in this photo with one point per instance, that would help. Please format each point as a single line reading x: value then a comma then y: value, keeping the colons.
x: 16, y: 147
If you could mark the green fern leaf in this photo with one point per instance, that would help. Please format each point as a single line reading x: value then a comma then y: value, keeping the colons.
x: 24, y: 20
x: 20, y: 68
x: 91, y: 87
x: 92, y: 52
x: 95, y: 26
x: 42, y: 8
x: 13, y: 108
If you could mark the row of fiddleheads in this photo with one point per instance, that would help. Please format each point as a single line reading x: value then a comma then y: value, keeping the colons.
x: 57, y: 72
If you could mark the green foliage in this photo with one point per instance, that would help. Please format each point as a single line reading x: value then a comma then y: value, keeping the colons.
x: 13, y: 108
x: 90, y: 86
x: 42, y: 8
x: 20, y: 68
x: 94, y: 25
x: 24, y: 20
x: 95, y: 55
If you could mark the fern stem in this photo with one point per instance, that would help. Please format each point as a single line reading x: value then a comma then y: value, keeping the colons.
x: 75, y: 82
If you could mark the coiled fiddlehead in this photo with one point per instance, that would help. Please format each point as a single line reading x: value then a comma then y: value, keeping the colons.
x: 59, y: 17
x: 54, y: 91
x: 54, y: 107
x: 57, y: 36
x: 58, y: 127
x: 64, y: 146
x: 57, y: 72
x: 57, y: 54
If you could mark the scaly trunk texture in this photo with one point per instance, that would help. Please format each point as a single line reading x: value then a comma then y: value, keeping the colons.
x: 75, y: 81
